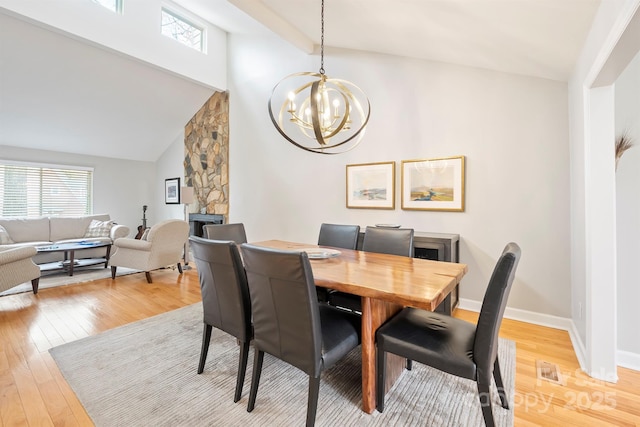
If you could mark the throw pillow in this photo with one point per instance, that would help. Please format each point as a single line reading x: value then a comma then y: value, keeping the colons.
x: 99, y: 228
x: 5, y: 239
x: 145, y: 234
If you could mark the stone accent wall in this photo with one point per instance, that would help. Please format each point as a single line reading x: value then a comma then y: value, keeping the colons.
x: 206, y: 157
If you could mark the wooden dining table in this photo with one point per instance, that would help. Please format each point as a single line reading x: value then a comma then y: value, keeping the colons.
x: 386, y: 284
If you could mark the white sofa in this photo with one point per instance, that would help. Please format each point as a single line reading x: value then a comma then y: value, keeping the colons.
x: 22, y: 232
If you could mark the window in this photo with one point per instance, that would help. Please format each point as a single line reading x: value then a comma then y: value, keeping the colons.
x: 31, y: 190
x: 112, y: 5
x: 182, y: 30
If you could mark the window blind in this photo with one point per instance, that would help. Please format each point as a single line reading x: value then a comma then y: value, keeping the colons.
x: 44, y: 190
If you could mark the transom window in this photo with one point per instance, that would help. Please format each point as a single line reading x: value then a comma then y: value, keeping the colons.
x: 112, y: 5
x: 180, y: 29
x: 32, y: 190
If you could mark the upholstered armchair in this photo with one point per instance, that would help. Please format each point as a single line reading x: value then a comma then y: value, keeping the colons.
x: 162, y: 247
x: 17, y: 267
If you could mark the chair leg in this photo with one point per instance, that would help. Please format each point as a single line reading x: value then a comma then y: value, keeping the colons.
x: 381, y: 362
x: 485, y: 402
x: 242, y: 368
x: 113, y: 271
x: 409, y: 364
x: 497, y: 376
x: 180, y: 268
x: 34, y: 285
x: 322, y: 294
x: 312, y: 402
x: 148, y: 274
x: 206, y: 338
x: 255, y: 379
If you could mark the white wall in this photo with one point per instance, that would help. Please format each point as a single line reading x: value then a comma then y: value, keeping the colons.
x: 627, y: 109
x: 169, y: 165
x: 120, y: 187
x: 593, y: 210
x: 135, y: 33
x: 512, y: 129
x: 601, y: 27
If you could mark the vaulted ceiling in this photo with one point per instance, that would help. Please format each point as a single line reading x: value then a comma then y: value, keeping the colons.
x: 539, y: 38
x: 63, y: 94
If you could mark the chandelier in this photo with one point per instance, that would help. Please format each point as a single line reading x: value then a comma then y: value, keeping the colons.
x: 319, y: 114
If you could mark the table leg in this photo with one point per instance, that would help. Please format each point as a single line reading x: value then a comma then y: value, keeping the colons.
x: 374, y: 313
x: 71, y: 256
x: 107, y: 256
x: 447, y: 304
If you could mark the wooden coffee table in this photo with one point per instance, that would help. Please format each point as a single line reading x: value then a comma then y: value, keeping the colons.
x: 70, y: 262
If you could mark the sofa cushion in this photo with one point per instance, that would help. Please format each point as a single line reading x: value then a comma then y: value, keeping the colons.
x: 63, y: 228
x: 27, y: 230
x: 99, y: 228
x: 5, y: 239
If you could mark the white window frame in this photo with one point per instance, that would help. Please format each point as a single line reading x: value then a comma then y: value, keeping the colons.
x: 188, y: 19
x: 119, y: 6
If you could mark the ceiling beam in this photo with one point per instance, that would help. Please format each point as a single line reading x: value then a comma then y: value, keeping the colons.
x: 267, y: 17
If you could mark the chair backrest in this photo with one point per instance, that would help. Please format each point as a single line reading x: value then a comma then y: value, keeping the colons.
x: 223, y: 283
x: 284, y: 305
x: 392, y: 241
x: 485, y: 346
x: 233, y: 232
x: 339, y: 235
x: 171, y: 233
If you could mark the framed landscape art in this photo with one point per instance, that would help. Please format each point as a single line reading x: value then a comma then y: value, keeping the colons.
x: 433, y: 184
x: 371, y: 185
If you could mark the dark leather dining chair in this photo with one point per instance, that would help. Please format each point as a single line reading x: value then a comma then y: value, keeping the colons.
x: 392, y: 241
x: 288, y: 321
x: 225, y: 298
x: 338, y: 236
x: 452, y: 345
x: 233, y: 232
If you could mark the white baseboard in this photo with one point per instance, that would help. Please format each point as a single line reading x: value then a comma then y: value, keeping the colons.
x: 626, y: 359
x: 524, y: 316
x: 578, y: 346
x: 541, y: 319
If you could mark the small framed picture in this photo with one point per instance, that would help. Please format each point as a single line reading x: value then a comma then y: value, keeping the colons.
x: 172, y: 191
x: 433, y: 184
x: 371, y: 186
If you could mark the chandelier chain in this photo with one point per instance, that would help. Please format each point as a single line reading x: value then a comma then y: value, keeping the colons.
x: 322, y: 38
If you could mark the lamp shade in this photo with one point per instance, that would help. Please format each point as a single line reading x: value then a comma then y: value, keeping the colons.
x: 186, y: 195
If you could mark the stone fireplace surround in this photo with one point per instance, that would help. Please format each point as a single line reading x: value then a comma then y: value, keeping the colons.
x: 206, y: 158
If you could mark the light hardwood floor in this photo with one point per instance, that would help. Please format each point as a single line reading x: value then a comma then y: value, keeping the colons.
x: 34, y: 393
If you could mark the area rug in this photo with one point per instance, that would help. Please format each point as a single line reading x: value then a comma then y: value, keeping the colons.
x: 144, y: 374
x: 52, y: 280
